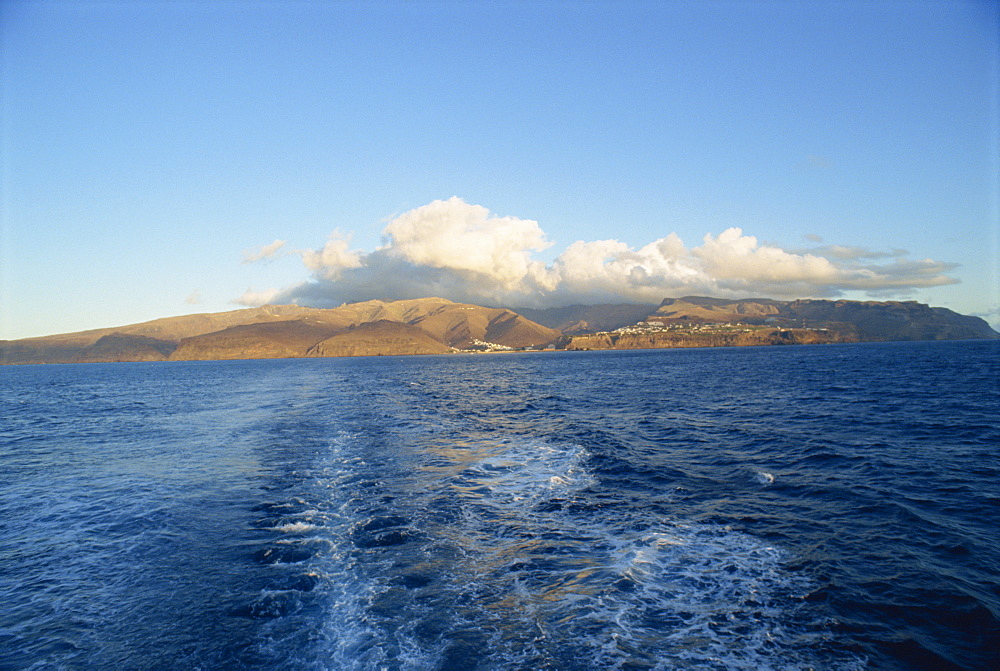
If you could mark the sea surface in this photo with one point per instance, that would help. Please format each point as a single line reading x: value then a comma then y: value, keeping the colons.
x: 806, y: 507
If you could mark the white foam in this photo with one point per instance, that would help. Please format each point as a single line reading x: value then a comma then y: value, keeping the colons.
x: 522, y: 472
x: 611, y: 591
x: 294, y: 528
x: 764, y: 478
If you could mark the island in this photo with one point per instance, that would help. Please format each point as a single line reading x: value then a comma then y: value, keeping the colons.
x: 440, y: 326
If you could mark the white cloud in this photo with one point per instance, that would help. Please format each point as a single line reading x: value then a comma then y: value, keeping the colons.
x: 460, y: 251
x: 194, y: 298
x: 265, y: 252
x: 736, y: 260
x: 255, y: 299
x: 335, y: 257
x: 849, y: 252
x: 451, y: 234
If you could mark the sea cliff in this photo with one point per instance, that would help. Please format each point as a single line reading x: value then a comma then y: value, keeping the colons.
x: 728, y: 338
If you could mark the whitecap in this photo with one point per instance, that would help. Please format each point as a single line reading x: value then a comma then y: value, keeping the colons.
x: 764, y: 478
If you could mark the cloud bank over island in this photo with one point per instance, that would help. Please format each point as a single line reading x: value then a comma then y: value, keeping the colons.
x: 460, y: 251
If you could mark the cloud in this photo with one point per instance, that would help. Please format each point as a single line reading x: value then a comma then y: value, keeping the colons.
x: 461, y: 251
x: 194, y: 298
x: 334, y: 258
x: 453, y: 235
x: 265, y: 252
x: 848, y: 252
x: 255, y: 299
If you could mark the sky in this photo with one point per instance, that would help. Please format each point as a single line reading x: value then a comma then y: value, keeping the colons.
x: 169, y: 158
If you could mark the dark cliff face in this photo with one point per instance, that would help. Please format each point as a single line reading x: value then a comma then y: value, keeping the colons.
x: 893, y: 320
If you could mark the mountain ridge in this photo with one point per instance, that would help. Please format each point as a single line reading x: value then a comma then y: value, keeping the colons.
x: 436, y: 325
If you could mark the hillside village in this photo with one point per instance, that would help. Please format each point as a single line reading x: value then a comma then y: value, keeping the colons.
x: 703, y: 327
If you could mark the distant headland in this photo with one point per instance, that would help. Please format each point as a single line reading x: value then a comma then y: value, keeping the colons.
x: 439, y: 326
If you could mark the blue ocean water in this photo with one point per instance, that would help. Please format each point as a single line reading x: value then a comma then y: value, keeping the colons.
x: 827, y: 507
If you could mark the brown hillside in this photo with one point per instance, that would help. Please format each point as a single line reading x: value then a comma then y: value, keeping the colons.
x: 701, y: 309
x: 459, y: 324
x: 282, y: 331
x: 511, y: 329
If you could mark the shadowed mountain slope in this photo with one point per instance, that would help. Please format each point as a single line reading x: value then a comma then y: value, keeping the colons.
x: 589, y: 318
x: 380, y: 338
x: 269, y: 340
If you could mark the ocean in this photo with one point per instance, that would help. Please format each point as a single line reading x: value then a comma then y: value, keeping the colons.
x: 803, y: 507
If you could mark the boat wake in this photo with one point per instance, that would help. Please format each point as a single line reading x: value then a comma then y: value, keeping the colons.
x: 505, y: 553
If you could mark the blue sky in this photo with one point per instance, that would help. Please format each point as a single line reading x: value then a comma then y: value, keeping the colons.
x: 177, y: 157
